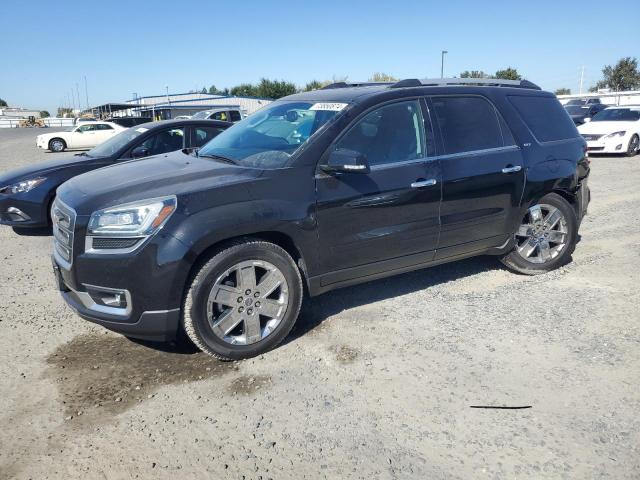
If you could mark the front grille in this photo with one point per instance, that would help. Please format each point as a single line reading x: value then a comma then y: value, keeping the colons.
x: 64, y: 222
x: 591, y: 138
x: 113, y: 243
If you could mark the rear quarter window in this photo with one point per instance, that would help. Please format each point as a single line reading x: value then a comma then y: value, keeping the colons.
x: 545, y: 116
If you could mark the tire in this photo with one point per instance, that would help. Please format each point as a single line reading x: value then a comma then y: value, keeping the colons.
x: 634, y: 146
x: 538, y: 249
x: 57, y: 145
x: 225, y: 313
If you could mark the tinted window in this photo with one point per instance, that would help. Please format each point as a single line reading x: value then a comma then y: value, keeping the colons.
x: 103, y: 126
x: 390, y: 134
x: 202, y: 135
x: 235, y: 116
x: 545, y: 117
x: 617, y: 115
x: 164, y: 141
x: 467, y: 124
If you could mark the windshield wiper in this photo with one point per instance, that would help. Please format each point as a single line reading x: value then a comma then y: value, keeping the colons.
x: 219, y: 157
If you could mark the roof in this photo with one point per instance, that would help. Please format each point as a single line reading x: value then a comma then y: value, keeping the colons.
x: 173, y: 106
x: 182, y: 123
x: 113, y: 107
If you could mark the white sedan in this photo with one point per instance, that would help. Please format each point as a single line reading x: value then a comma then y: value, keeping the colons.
x: 83, y: 137
x: 613, y: 130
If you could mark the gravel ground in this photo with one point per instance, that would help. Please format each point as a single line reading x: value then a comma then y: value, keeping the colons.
x: 376, y: 381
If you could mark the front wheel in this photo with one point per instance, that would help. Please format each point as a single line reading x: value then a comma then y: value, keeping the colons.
x: 546, y: 237
x: 57, y: 145
x: 634, y: 146
x: 244, y: 301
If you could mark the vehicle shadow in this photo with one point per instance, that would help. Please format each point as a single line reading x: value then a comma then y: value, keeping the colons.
x: 317, y: 309
x: 33, y: 232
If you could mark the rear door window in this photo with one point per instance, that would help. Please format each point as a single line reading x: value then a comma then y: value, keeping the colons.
x: 545, y: 116
x: 201, y: 135
x: 164, y: 141
x: 235, y: 116
x: 468, y: 124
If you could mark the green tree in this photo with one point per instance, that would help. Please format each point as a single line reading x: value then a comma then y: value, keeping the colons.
x: 3, y: 103
x: 65, y: 112
x: 244, y: 90
x: 563, y: 91
x: 274, y: 88
x: 382, y: 77
x: 215, y: 91
x: 314, y: 85
x: 473, y: 74
x: 508, y: 74
x: 44, y: 114
x: 204, y: 90
x: 623, y: 76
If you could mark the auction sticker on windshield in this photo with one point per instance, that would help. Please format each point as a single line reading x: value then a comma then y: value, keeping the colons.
x: 332, y: 107
x: 141, y: 129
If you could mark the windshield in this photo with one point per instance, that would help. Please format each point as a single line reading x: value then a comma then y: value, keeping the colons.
x: 576, y: 110
x: 115, y: 143
x: 269, y: 137
x: 617, y: 115
x: 201, y: 115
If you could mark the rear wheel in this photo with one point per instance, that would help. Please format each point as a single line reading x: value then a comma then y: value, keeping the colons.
x: 634, y: 146
x: 546, y: 237
x: 244, y: 301
x: 57, y: 145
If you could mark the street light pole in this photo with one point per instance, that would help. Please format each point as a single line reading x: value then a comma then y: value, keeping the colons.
x: 442, y: 63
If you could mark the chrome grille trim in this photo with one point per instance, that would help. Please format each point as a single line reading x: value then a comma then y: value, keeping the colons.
x: 63, y: 219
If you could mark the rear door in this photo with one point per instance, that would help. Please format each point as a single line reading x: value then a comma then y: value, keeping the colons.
x: 391, y: 212
x: 483, y: 174
x: 85, y: 136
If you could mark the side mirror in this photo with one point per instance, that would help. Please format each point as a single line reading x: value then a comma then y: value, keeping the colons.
x: 587, y: 119
x: 139, y: 152
x: 346, y: 161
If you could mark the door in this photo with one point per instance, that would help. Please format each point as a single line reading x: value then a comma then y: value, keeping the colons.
x: 390, y: 212
x: 483, y: 174
x: 164, y: 141
x: 84, y: 137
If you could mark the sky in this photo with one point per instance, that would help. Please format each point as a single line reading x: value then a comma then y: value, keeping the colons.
x: 122, y: 47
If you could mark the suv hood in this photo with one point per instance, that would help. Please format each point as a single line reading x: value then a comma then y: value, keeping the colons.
x: 43, y: 168
x: 173, y: 173
x: 604, y: 128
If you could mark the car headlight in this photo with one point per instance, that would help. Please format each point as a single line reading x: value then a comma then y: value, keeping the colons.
x: 138, y: 219
x: 616, y: 134
x: 21, y: 187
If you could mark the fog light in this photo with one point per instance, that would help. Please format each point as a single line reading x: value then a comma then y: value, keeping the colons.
x: 17, y: 215
x: 619, y: 147
x: 108, y: 297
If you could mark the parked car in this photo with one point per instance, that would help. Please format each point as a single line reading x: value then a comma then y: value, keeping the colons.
x: 182, y: 117
x: 81, y: 137
x: 579, y: 113
x: 317, y: 191
x: 224, y: 114
x: 584, y: 101
x: 129, y: 122
x: 26, y: 194
x: 613, y: 130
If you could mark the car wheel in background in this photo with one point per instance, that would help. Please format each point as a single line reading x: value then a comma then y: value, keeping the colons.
x: 57, y: 145
x: 545, y: 238
x: 634, y: 146
x: 243, y: 301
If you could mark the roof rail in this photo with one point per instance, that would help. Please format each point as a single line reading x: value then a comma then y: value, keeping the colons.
x: 353, y: 84
x: 488, y: 82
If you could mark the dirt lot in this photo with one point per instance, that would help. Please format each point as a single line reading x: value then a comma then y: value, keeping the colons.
x: 376, y: 381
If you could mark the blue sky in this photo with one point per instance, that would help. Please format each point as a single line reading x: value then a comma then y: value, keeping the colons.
x: 134, y: 46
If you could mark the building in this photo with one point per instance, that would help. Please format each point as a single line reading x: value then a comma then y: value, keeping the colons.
x: 15, y: 112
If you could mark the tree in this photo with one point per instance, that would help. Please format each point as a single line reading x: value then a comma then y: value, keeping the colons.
x: 65, y: 112
x: 473, y: 74
x: 382, y: 77
x: 214, y: 91
x: 508, y: 74
x: 314, y: 85
x: 44, y: 114
x: 204, y: 90
x: 563, y: 91
x: 3, y: 103
x: 623, y: 76
x: 274, y: 88
x: 244, y: 90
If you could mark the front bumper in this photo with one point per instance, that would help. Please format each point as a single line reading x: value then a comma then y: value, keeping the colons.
x: 610, y: 145
x: 154, y: 325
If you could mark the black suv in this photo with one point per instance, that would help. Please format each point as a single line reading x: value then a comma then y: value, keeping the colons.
x: 317, y: 191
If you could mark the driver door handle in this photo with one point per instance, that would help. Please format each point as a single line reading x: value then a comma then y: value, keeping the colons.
x: 424, y: 183
x: 517, y: 168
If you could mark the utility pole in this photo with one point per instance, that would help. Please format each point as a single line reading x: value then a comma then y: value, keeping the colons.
x: 442, y: 63
x: 86, y: 92
x: 581, y: 79
x: 78, y: 95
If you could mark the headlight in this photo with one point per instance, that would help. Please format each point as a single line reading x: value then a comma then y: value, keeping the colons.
x: 21, y: 187
x: 616, y: 134
x: 138, y: 219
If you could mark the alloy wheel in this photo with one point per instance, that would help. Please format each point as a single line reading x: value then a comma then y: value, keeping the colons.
x: 247, y: 302
x: 634, y: 145
x: 543, y: 234
x: 57, y: 146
